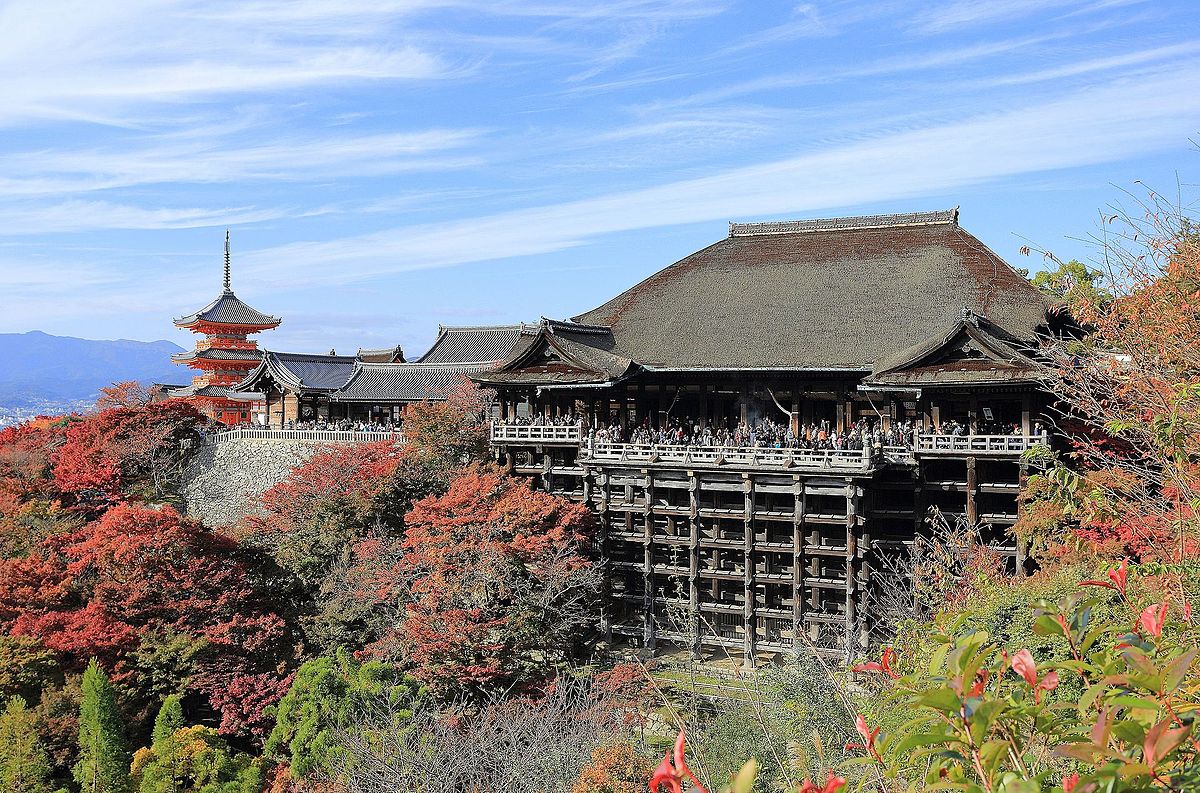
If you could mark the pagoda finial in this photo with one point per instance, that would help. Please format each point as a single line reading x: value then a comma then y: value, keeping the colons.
x: 227, y: 287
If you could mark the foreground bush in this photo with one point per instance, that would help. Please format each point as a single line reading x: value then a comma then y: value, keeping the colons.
x: 1113, y: 713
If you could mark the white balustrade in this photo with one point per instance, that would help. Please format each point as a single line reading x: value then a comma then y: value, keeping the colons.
x: 842, y: 459
x: 315, y: 436
x: 534, y: 433
x: 931, y: 443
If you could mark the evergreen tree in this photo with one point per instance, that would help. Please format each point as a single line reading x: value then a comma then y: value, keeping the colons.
x: 162, y: 773
x: 103, y: 765
x: 24, y: 765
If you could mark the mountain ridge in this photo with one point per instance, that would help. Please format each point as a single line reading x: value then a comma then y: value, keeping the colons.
x: 37, y: 368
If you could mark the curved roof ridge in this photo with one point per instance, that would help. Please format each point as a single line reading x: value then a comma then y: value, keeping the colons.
x: 228, y: 309
x: 808, y: 226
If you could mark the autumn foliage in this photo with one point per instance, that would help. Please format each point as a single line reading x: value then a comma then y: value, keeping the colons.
x: 126, y: 452
x: 1130, y: 401
x: 496, y: 579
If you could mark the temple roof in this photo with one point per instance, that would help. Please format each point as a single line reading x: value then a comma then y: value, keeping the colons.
x: 564, y: 353
x: 383, y: 355
x: 302, y: 371
x: 837, y: 294
x: 227, y: 309
x: 405, y: 382
x: 970, y: 351
x: 475, y: 344
x: 222, y: 391
x: 216, y: 354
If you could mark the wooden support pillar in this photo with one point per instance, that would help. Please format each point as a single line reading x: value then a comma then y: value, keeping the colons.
x: 605, y: 553
x: 972, y: 484
x: 1022, y: 549
x: 750, y: 620
x: 852, y: 504
x: 697, y: 624
x: 703, y: 406
x: 648, y: 628
x: 798, y: 563
x: 1026, y: 416
x: 863, y: 565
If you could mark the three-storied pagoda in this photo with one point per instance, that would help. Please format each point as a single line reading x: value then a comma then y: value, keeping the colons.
x: 226, y: 354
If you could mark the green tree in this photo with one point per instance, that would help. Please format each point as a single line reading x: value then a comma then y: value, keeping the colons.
x: 162, y: 774
x: 103, y: 765
x: 24, y: 765
x: 329, y: 692
x: 1074, y: 280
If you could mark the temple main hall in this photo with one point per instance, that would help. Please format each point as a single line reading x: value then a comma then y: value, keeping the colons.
x: 758, y: 426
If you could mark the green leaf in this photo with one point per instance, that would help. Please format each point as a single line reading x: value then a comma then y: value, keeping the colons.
x: 1046, y: 625
x: 911, y: 742
x: 1177, y: 670
x: 943, y: 699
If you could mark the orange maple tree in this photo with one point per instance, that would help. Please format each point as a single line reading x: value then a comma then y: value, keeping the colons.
x: 1129, y: 392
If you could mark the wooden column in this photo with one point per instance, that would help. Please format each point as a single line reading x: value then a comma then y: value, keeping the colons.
x: 972, y: 483
x: 852, y: 503
x: 703, y: 405
x: 1026, y: 417
x: 606, y: 605
x: 648, y: 563
x: 694, y: 563
x: 798, y: 564
x: 750, y: 637
x: 1022, y: 550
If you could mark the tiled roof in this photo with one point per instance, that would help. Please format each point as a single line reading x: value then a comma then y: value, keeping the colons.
x: 837, y: 294
x: 475, y: 344
x: 210, y: 391
x: 383, y: 355
x: 217, y: 354
x: 297, y: 371
x: 562, y: 352
x: 973, y: 350
x: 405, y: 382
x: 227, y: 309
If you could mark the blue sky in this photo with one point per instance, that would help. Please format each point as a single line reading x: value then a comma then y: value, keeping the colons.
x: 388, y: 166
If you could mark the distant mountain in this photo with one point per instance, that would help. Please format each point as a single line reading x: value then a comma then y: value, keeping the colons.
x: 37, y: 369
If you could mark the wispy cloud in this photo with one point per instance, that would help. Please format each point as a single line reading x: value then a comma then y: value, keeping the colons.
x: 219, y: 159
x: 25, y: 218
x: 1096, y: 125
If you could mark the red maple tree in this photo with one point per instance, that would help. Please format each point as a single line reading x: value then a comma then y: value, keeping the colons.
x: 126, y: 451
x: 496, y: 582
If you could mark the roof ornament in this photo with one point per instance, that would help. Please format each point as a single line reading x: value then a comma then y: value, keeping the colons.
x: 970, y: 316
x: 227, y: 287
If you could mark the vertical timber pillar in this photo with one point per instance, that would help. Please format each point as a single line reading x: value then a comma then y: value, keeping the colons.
x: 852, y: 506
x: 750, y: 637
x: 697, y: 624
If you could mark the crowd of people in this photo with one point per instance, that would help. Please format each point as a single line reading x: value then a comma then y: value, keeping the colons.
x: 766, y: 434
x: 342, y: 425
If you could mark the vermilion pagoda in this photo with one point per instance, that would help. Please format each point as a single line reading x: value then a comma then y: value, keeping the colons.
x: 225, y: 355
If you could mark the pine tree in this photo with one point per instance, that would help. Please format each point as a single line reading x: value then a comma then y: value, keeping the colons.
x: 103, y: 765
x: 24, y: 766
x: 159, y: 770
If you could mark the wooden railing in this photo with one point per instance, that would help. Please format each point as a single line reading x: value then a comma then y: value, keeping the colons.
x: 929, y: 443
x: 516, y: 433
x: 720, y: 455
x: 314, y: 436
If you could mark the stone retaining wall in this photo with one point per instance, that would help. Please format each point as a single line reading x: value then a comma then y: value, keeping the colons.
x: 223, y: 480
